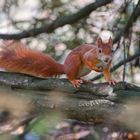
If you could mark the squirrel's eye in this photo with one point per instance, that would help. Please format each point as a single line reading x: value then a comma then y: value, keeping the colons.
x: 100, y: 51
x: 112, y: 51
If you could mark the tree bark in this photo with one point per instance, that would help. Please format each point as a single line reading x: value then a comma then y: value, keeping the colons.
x: 91, y: 102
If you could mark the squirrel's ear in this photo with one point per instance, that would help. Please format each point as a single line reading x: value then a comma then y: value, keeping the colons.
x: 99, y: 42
x: 110, y: 41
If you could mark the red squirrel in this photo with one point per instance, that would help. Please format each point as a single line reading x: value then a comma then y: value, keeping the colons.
x: 18, y: 58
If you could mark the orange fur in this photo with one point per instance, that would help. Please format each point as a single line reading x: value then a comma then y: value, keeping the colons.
x: 24, y: 60
x: 96, y: 58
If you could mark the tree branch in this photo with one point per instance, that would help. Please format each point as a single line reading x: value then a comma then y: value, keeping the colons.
x: 21, y: 81
x: 91, y: 102
x: 96, y: 102
x: 59, y: 22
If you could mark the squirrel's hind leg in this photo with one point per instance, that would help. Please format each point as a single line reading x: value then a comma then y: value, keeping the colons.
x: 72, y: 68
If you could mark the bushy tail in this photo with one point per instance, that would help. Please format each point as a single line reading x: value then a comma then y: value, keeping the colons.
x: 16, y: 57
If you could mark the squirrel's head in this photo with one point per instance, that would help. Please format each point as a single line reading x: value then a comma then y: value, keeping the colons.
x: 105, y: 50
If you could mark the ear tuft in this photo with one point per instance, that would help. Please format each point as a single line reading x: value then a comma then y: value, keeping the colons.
x: 99, y: 42
x: 110, y: 41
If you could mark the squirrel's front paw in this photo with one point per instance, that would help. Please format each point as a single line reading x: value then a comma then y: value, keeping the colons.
x: 112, y: 82
x: 77, y: 83
x: 100, y: 68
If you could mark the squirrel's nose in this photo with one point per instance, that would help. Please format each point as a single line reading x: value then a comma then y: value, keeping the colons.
x: 106, y: 60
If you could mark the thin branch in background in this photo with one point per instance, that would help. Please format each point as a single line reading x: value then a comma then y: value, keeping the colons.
x: 128, y: 55
x: 118, y: 45
x: 139, y: 51
x: 59, y: 22
x: 132, y: 72
x: 137, y: 63
x: 124, y: 55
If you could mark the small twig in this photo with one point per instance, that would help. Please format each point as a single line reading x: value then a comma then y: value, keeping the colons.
x: 124, y: 64
x: 118, y: 46
x: 137, y: 63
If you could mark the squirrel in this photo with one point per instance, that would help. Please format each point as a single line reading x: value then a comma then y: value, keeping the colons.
x: 16, y: 57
